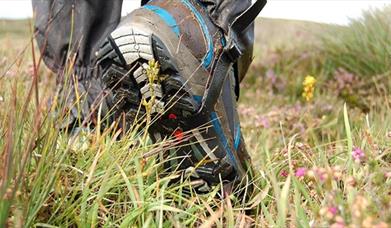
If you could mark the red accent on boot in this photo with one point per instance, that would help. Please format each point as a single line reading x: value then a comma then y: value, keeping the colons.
x: 172, y: 116
x: 178, y: 134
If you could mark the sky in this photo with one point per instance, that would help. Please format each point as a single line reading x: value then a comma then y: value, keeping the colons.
x: 326, y: 11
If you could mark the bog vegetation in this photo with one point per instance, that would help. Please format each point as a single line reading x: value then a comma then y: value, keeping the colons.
x: 315, y: 110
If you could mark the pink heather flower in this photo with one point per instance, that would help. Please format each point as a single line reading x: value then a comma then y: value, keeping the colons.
x: 321, y: 173
x: 284, y: 173
x: 30, y: 70
x: 263, y: 122
x: 301, y: 172
x: 10, y: 73
x: 333, y: 210
x: 271, y: 75
x: 358, y: 154
x: 338, y: 225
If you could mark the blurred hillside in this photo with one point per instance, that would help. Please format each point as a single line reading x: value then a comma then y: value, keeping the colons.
x: 14, y: 28
x: 270, y: 33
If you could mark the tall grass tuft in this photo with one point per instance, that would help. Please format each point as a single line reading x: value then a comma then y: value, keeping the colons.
x: 91, y: 177
x: 363, y: 47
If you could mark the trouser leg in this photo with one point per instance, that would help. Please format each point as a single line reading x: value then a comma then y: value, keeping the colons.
x: 76, y: 25
x: 69, y: 33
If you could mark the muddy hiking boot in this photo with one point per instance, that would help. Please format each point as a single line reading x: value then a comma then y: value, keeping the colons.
x: 169, y: 60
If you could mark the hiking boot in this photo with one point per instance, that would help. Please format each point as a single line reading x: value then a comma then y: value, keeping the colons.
x: 158, y: 64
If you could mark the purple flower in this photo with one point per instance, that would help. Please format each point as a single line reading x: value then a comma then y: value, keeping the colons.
x: 344, y: 78
x: 284, y: 173
x: 333, y: 210
x: 271, y: 75
x: 301, y: 172
x: 358, y: 154
x: 338, y: 225
x: 262, y: 121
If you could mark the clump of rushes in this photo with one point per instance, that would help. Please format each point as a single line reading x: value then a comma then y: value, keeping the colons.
x: 309, y: 87
x: 360, y: 47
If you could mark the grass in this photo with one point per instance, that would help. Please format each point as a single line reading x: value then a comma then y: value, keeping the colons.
x: 305, y: 174
x: 363, y: 47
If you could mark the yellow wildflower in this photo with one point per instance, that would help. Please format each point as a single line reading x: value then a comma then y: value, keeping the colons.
x: 309, y: 87
x: 153, y: 71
